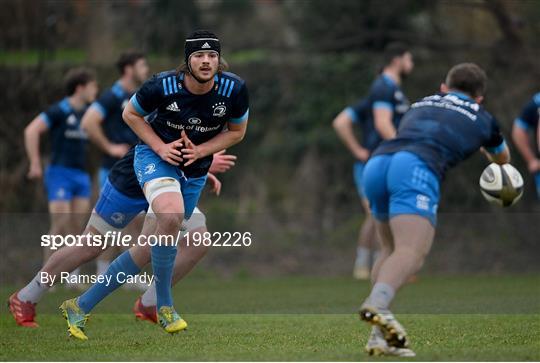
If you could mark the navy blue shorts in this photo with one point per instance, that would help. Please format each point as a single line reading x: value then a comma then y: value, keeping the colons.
x: 401, y: 183
x: 103, y: 174
x: 64, y: 184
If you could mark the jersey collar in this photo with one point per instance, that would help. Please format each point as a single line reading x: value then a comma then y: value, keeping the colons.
x: 181, y: 77
x: 461, y: 95
x: 389, y: 79
x: 65, y: 106
x: 118, y: 90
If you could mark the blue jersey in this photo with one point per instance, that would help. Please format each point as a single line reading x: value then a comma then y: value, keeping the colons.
x: 530, y: 115
x: 384, y: 93
x: 68, y: 139
x: 201, y: 116
x: 444, y: 129
x: 111, y: 105
x: 122, y: 176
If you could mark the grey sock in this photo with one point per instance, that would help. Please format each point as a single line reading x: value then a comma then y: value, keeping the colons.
x: 381, y: 295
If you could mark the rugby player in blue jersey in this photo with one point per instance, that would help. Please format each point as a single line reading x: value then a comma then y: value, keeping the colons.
x: 106, y: 128
x: 103, y: 121
x: 402, y: 179
x: 525, y: 127
x: 378, y: 116
x: 118, y: 205
x: 200, y: 110
x: 66, y: 181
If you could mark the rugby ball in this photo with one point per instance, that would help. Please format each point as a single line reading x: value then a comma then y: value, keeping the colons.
x: 501, y: 184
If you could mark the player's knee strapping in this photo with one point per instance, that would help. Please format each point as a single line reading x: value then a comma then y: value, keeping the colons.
x: 158, y: 186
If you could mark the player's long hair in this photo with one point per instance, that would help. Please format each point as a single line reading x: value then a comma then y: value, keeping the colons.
x: 222, y: 67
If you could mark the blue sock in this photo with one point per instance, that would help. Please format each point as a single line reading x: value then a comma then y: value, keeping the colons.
x: 91, y: 297
x: 162, y: 265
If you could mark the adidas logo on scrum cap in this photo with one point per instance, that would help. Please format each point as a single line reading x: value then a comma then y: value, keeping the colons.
x: 206, y: 46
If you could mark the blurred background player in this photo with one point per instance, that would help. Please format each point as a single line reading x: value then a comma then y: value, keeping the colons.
x: 526, y: 127
x: 402, y: 185
x: 194, y: 105
x: 105, y: 127
x: 378, y: 116
x: 67, y: 183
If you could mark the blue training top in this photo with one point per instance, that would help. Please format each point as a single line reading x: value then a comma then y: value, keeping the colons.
x: 68, y: 139
x: 384, y: 93
x: 111, y: 105
x: 530, y: 114
x: 444, y: 129
x: 201, y: 116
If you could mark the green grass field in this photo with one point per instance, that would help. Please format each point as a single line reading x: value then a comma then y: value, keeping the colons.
x: 298, y: 318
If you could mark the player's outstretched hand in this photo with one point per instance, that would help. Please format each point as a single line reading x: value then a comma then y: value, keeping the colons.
x: 191, y: 152
x: 170, y: 152
x: 35, y: 172
x: 222, y: 162
x: 215, y: 183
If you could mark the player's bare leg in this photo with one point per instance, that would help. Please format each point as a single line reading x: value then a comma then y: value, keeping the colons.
x: 412, y: 236
x: 71, y: 257
x: 376, y: 344
x: 63, y: 223
x: 60, y: 219
x: 22, y: 303
x: 80, y: 208
x: 62, y: 261
x: 386, y: 246
x: 366, y: 245
x: 188, y: 258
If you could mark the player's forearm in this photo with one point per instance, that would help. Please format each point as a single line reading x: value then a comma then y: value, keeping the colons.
x: 344, y: 131
x: 143, y: 130
x: 222, y: 141
x: 98, y: 137
x: 31, y: 144
x: 383, y: 123
x: 386, y: 129
x: 521, y: 140
x: 91, y: 123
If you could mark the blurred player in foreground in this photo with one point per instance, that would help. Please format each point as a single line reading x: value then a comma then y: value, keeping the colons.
x: 526, y: 127
x: 402, y: 181
x: 66, y: 180
x: 378, y: 115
